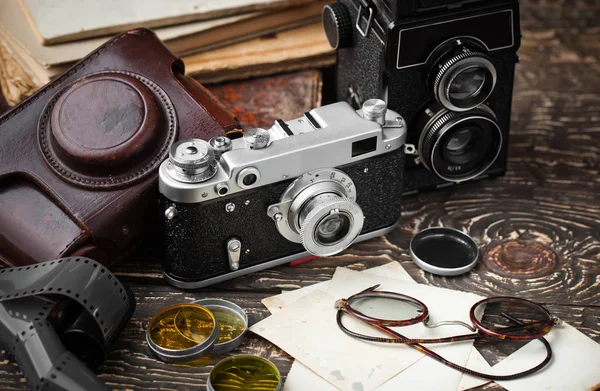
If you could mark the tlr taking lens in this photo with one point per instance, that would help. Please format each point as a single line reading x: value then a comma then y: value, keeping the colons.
x: 458, y: 146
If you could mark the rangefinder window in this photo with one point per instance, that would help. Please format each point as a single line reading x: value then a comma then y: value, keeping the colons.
x: 364, y: 146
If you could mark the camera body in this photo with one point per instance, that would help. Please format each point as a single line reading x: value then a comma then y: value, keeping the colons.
x: 448, y: 66
x: 312, y: 185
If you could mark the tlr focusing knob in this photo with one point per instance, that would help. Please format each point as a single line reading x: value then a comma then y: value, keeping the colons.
x: 338, y: 25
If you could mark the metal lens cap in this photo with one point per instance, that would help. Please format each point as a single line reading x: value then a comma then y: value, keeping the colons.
x: 444, y: 251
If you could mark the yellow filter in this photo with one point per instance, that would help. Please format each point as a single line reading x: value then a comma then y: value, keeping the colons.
x: 250, y: 373
x: 230, y: 324
x: 181, y: 327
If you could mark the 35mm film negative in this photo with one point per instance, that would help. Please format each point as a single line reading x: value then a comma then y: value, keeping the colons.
x: 56, y: 315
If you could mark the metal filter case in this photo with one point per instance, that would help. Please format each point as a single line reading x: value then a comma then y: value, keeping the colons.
x: 182, y: 332
x: 233, y: 323
x: 244, y: 373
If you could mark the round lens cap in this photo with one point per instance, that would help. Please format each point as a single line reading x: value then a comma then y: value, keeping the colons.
x: 444, y: 251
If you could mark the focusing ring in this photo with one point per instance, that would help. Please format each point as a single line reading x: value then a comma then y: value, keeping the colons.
x: 444, y: 121
x: 322, y: 210
x: 451, y: 67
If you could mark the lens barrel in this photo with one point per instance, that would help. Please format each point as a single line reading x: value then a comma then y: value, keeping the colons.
x: 329, y: 223
x: 458, y: 146
x: 319, y: 210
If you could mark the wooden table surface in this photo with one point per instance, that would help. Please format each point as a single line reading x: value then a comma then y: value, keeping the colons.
x: 538, y: 226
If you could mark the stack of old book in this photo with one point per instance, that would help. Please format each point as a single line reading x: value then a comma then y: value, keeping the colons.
x: 217, y: 40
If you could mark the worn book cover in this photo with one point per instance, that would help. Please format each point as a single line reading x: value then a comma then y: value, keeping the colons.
x: 297, y: 49
x: 181, y: 39
x: 301, y: 48
x: 71, y: 20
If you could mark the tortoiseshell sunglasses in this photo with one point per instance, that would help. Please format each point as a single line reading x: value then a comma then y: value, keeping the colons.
x: 506, y: 318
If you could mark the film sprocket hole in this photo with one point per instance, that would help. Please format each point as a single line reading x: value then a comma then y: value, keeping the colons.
x: 446, y: 66
x: 311, y: 185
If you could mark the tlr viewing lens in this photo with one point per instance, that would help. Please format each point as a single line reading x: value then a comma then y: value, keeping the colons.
x: 467, y: 84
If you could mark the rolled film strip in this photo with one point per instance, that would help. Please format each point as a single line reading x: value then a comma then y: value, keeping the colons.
x: 93, y: 303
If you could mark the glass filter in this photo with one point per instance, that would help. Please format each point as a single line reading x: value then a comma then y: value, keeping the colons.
x: 249, y: 373
x: 182, y: 332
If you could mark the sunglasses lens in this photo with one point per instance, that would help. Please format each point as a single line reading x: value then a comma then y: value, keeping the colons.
x: 512, y: 317
x: 387, y: 308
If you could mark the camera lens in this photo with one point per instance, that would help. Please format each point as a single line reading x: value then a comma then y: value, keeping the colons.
x: 319, y: 210
x: 329, y: 223
x: 332, y: 228
x: 460, y: 146
x: 463, y: 79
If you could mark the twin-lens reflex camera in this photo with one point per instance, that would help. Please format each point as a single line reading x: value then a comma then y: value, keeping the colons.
x: 311, y: 185
x: 446, y: 65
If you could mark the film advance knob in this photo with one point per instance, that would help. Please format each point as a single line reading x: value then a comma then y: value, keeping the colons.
x: 338, y: 25
x: 374, y: 110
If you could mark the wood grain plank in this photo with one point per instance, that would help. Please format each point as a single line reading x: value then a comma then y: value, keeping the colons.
x: 131, y: 365
x: 538, y: 226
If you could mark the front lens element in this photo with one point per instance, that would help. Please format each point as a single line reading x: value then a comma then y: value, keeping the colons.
x: 459, y: 141
x: 329, y: 224
x: 467, y: 84
x: 332, y: 228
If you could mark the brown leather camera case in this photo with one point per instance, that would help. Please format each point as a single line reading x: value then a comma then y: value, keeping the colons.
x: 79, y: 159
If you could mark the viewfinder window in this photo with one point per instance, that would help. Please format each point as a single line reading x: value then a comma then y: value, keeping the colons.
x: 364, y: 146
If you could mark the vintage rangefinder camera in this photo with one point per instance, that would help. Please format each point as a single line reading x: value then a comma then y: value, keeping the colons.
x: 312, y: 185
x: 446, y: 65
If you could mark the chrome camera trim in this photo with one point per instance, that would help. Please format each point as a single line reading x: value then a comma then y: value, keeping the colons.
x: 329, y: 128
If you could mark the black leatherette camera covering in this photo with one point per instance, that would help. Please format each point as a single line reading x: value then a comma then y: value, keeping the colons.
x: 195, y: 240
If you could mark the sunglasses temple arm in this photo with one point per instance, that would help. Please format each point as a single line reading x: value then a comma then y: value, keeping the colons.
x: 436, y: 356
x: 441, y: 359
